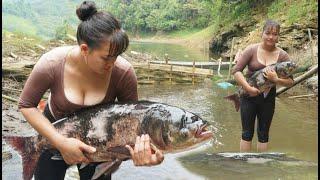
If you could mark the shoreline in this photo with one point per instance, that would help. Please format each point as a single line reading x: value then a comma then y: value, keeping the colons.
x: 159, y: 40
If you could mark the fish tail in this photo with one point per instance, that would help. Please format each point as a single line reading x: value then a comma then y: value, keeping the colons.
x: 235, y: 99
x: 26, y: 149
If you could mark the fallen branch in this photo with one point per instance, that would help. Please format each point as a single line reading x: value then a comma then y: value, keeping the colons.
x: 41, y: 47
x: 72, y: 37
x: 13, y: 55
x: 9, y: 98
x: 300, y: 96
x: 299, y: 79
x: 11, y: 89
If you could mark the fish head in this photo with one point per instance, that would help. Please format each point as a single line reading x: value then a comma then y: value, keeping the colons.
x: 285, y: 69
x: 172, y: 128
x: 186, y: 130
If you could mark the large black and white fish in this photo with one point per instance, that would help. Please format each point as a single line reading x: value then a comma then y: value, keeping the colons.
x: 109, y: 127
x: 283, y: 69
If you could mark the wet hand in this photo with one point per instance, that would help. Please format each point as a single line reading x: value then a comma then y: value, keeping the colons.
x: 72, y: 150
x: 271, y: 75
x: 142, y: 154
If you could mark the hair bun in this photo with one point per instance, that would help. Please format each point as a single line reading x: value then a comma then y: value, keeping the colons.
x: 86, y: 10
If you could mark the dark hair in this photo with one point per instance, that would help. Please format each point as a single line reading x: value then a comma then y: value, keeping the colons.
x: 98, y: 27
x: 270, y: 23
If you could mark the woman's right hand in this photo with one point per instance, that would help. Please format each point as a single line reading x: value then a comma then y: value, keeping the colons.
x: 252, y: 91
x: 72, y: 150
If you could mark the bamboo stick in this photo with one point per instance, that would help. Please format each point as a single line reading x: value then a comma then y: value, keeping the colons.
x: 193, y: 70
x: 9, y: 98
x: 13, y: 55
x: 11, y: 89
x: 219, y: 60
x: 300, y: 96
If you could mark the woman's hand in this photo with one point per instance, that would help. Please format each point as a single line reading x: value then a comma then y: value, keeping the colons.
x: 271, y: 75
x: 252, y: 91
x: 142, y: 155
x: 72, y: 150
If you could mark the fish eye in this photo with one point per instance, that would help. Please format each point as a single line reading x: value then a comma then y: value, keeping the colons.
x: 194, y: 118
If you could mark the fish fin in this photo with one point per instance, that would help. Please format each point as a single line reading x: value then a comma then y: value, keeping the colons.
x: 27, y: 151
x: 235, y: 99
x: 106, y: 168
x: 83, y: 165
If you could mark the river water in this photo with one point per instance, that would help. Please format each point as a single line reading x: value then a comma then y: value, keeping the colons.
x: 175, y: 52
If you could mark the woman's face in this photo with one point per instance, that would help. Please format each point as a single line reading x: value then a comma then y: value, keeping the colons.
x: 270, y: 36
x: 100, y: 61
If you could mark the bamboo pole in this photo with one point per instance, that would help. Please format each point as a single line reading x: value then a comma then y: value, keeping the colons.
x: 11, y: 89
x: 148, y: 69
x: 9, y: 98
x: 301, y: 96
x: 299, y: 79
x: 230, y: 65
x: 193, y: 70
x: 170, y: 74
x: 219, y: 61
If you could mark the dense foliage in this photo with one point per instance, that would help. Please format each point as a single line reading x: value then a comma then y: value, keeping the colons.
x: 54, y: 19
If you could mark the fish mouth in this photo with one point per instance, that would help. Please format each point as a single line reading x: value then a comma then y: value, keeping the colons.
x: 202, y: 132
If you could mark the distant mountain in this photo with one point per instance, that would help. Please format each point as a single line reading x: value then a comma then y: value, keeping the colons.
x: 38, y: 17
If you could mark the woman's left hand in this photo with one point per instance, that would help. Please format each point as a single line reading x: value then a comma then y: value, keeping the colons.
x: 142, y: 154
x: 271, y: 75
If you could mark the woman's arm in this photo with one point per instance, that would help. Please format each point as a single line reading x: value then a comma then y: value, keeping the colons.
x: 273, y: 77
x: 240, y: 79
x: 243, y: 59
x: 284, y: 82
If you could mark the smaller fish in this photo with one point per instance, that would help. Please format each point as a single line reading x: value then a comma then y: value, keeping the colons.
x: 257, y: 80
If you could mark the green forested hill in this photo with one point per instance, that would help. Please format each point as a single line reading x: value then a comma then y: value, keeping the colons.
x: 38, y: 17
x: 53, y: 19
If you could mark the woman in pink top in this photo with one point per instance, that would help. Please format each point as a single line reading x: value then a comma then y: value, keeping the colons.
x: 80, y: 76
x: 256, y: 57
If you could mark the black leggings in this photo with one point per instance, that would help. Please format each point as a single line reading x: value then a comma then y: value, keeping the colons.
x: 263, y: 109
x: 48, y: 169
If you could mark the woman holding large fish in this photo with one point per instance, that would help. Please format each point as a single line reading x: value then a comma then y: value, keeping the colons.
x: 78, y: 77
x: 257, y: 103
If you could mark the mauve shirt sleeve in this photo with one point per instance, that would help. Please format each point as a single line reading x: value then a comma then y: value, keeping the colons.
x: 37, y: 84
x: 243, y: 60
x: 128, y: 87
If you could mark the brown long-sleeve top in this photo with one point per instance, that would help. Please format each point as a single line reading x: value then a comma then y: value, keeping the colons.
x: 249, y: 58
x: 48, y: 74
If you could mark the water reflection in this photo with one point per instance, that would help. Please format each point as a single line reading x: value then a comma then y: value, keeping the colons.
x: 174, y: 51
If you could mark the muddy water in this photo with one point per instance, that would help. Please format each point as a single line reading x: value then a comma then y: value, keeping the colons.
x: 294, y: 131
